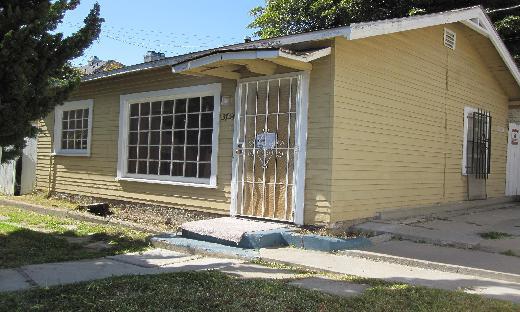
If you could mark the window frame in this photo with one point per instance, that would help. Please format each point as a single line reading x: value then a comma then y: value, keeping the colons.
x: 467, y: 111
x: 162, y: 95
x: 58, y: 118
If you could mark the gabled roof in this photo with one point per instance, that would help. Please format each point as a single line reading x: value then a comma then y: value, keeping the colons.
x: 473, y: 17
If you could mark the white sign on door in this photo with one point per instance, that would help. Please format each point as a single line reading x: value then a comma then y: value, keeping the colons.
x: 265, y: 140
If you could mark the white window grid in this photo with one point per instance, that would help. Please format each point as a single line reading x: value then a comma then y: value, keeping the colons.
x: 163, y: 125
x: 74, y: 129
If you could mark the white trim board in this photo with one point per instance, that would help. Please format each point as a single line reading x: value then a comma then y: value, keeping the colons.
x: 58, y: 116
x: 124, y: 115
x: 250, y: 55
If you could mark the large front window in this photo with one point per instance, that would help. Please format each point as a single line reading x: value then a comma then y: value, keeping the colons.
x: 171, y: 136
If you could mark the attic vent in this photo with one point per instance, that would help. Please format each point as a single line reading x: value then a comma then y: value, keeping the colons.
x: 450, y: 38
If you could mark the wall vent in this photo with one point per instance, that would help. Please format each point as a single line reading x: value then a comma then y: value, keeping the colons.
x: 450, y: 38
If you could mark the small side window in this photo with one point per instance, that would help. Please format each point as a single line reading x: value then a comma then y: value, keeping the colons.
x: 72, y: 128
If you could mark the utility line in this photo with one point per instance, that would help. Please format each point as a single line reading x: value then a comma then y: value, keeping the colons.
x: 504, y: 9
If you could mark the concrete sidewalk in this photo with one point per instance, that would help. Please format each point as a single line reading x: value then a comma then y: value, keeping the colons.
x: 461, y: 229
x: 150, y: 262
x: 164, y: 261
x: 154, y: 262
x: 369, y: 268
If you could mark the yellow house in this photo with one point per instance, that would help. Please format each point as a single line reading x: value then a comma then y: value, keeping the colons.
x: 314, y: 128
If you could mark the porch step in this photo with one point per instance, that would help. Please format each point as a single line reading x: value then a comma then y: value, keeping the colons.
x: 197, y: 247
x: 253, y: 234
x: 236, y: 232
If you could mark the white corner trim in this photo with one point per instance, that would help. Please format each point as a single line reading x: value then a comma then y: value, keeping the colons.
x: 58, y: 118
x: 235, y: 161
x: 161, y: 95
x: 300, y: 161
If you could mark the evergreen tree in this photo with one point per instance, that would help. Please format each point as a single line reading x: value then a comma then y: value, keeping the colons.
x: 35, y: 70
x: 283, y: 17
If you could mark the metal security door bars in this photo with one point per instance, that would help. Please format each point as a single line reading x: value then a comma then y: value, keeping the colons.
x: 267, y: 147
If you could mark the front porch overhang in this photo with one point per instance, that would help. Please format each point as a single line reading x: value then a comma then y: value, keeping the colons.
x: 249, y: 63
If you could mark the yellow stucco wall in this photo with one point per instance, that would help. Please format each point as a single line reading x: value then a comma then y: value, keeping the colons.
x: 398, y: 121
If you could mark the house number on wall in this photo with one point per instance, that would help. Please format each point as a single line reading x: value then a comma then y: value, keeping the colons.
x: 227, y: 116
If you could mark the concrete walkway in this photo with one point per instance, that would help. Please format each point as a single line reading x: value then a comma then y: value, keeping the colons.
x: 154, y: 262
x: 446, y: 255
x: 362, y: 267
x: 164, y: 261
x: 461, y: 229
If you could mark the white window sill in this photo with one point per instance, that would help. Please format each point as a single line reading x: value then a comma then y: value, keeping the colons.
x: 71, y: 154
x: 151, y: 181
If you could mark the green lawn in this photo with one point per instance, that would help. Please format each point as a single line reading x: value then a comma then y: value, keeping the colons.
x: 215, y: 291
x: 30, y: 238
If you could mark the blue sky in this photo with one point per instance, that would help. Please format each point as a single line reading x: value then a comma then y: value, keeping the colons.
x: 174, y: 27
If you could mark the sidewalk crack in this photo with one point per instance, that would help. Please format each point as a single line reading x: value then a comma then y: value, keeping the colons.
x: 28, y: 278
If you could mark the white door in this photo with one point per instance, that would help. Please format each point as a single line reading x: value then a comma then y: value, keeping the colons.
x: 28, y: 174
x: 269, y: 140
x: 7, y: 178
x: 513, y: 161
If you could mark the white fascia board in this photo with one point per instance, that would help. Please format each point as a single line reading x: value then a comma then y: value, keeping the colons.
x: 467, y: 16
x: 249, y: 55
x: 307, y: 57
x: 499, y: 45
x: 223, y: 56
x: 370, y: 29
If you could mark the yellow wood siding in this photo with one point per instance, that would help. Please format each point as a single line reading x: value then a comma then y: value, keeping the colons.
x: 398, y: 121
x: 318, y: 197
x: 95, y: 175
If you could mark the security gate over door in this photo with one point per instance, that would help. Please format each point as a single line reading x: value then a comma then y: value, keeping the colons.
x: 513, y: 161
x: 267, y: 132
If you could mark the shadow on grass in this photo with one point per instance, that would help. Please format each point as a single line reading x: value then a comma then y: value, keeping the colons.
x: 216, y: 291
x: 20, y: 246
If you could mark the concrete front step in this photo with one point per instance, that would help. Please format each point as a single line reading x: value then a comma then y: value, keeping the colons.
x: 236, y: 232
x: 199, y: 247
x: 252, y: 234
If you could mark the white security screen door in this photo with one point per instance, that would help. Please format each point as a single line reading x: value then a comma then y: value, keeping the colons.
x: 268, y: 153
x: 513, y: 161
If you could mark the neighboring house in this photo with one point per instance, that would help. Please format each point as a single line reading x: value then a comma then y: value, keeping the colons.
x: 96, y: 66
x: 315, y: 128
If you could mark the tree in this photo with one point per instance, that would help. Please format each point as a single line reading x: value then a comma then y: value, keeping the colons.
x: 283, y: 17
x: 35, y: 70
